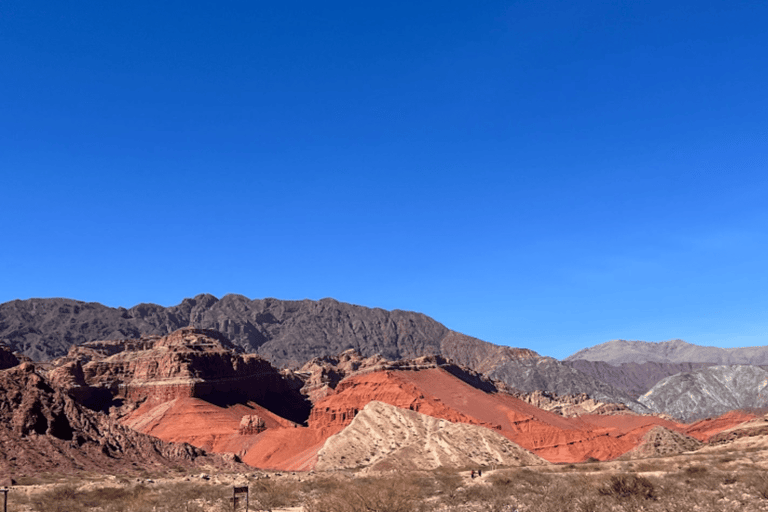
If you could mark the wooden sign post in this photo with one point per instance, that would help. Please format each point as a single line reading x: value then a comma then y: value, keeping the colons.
x: 235, y: 499
x: 5, y: 498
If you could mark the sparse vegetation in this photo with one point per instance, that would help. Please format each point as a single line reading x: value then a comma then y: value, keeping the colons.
x: 629, y: 486
x: 685, y: 483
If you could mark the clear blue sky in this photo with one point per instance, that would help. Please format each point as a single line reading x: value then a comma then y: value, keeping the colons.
x: 542, y: 174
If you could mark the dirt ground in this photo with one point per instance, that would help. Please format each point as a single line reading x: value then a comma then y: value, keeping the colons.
x: 732, y: 477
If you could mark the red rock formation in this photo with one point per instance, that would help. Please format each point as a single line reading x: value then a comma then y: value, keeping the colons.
x: 188, y: 363
x: 171, y: 376
x: 704, y: 429
x: 438, y: 393
x: 251, y: 424
x: 44, y: 429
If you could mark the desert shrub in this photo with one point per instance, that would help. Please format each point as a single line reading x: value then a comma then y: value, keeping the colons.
x: 758, y: 484
x: 504, y: 479
x: 320, y: 484
x: 534, y: 479
x: 696, y: 471
x: 370, y: 495
x: 492, y: 498
x: 271, y: 494
x: 62, y: 498
x: 628, y: 486
x: 447, y: 482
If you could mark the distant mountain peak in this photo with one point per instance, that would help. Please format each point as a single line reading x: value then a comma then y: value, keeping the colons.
x: 671, y: 351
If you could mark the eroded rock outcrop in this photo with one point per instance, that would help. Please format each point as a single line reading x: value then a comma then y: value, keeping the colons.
x: 709, y: 392
x: 384, y: 437
x: 188, y: 363
x: 7, y: 358
x: 660, y: 441
x: 45, y: 429
x: 571, y: 405
x: 322, y: 375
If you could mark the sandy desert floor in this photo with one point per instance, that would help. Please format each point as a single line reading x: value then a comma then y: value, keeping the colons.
x: 731, y: 477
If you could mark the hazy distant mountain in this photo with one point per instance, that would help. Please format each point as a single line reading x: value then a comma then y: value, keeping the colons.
x: 709, y: 392
x: 289, y: 333
x: 633, y: 378
x: 674, y: 351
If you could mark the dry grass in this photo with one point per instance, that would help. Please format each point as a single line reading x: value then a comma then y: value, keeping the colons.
x: 701, y: 482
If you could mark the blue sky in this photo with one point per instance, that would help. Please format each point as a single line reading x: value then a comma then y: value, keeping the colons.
x: 542, y: 174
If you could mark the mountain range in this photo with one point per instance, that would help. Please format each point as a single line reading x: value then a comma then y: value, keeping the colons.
x: 290, y: 333
x: 117, y: 401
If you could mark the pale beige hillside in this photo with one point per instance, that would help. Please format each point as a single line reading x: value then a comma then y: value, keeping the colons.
x: 385, y: 437
x: 660, y: 441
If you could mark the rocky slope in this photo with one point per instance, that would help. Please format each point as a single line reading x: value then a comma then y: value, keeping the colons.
x: 285, y: 332
x: 43, y: 429
x: 633, y: 378
x: 709, y: 392
x: 548, y: 374
x: 383, y: 437
x: 7, y: 358
x: 290, y: 333
x: 571, y: 406
x: 189, y: 362
x: 674, y: 351
x: 660, y: 442
x: 757, y: 427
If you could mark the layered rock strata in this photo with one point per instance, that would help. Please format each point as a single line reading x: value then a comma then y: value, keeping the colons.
x: 188, y: 363
x: 44, y: 429
x: 660, y: 441
x: 384, y: 437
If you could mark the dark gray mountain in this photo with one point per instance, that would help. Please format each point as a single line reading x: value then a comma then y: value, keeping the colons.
x: 675, y: 351
x: 286, y: 332
x: 709, y: 392
x: 529, y: 375
x: 633, y: 378
x: 289, y: 333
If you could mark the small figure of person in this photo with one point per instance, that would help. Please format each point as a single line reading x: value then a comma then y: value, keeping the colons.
x: 479, y: 473
x: 473, y: 474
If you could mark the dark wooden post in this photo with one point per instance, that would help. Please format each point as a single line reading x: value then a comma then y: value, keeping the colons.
x: 235, y: 492
x: 5, y: 499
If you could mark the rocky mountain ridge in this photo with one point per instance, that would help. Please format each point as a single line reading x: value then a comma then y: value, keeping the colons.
x: 288, y: 334
x: 617, y: 352
x: 193, y: 386
x: 709, y: 392
x: 633, y: 378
